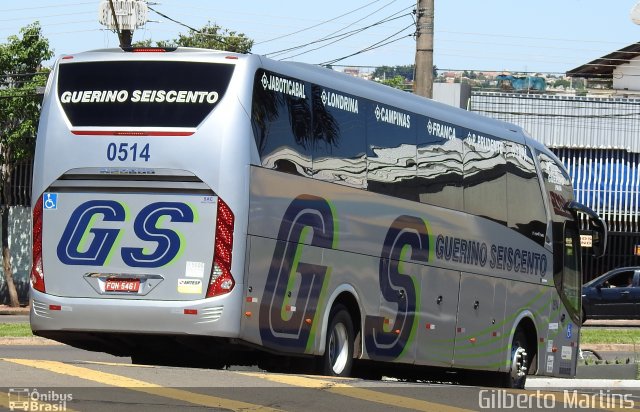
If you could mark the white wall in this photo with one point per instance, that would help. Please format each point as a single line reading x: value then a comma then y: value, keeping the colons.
x: 453, y: 94
x: 627, y: 76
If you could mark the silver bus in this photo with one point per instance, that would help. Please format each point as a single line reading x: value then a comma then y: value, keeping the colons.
x: 205, y: 208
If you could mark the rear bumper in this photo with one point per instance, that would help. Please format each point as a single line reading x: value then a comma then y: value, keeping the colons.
x: 215, y: 317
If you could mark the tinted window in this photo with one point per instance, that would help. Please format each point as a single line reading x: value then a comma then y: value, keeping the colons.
x: 570, y: 286
x: 141, y: 93
x: 439, y: 171
x: 391, y: 151
x: 281, y: 121
x: 525, y: 207
x: 557, y: 184
x: 620, y: 280
x: 339, y: 133
x: 485, y: 177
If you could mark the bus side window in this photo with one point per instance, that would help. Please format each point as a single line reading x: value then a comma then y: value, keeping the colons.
x: 571, y: 274
x: 485, y: 177
x: 526, y: 211
x: 557, y: 184
x: 439, y: 164
x: 339, y: 155
x: 281, y: 125
x: 391, y: 151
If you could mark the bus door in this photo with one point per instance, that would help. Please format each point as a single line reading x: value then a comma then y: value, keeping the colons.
x: 564, y: 323
x: 479, y: 327
x: 437, y: 316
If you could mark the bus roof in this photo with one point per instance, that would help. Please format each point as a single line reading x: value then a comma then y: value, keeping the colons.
x: 328, y: 78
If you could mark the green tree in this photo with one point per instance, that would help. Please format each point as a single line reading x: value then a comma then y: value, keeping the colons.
x: 396, y: 81
x: 211, y: 36
x: 382, y: 72
x: 21, y: 73
x: 386, y: 72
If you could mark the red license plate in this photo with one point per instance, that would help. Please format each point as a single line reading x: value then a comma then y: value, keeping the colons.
x: 122, y: 285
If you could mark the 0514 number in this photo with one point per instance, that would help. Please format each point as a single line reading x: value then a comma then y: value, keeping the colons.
x: 126, y: 151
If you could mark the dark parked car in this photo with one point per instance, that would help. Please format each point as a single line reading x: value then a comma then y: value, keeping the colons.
x: 614, y: 295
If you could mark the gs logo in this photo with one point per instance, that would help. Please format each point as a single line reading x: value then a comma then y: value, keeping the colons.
x: 408, y: 236
x: 407, y: 239
x: 305, y: 213
x: 72, y: 250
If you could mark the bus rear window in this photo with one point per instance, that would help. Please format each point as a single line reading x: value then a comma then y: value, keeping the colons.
x: 141, y: 93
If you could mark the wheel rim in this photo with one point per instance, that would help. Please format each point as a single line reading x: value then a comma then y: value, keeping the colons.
x: 519, y: 363
x: 338, y: 348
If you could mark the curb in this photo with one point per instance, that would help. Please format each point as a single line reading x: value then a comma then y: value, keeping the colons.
x: 8, y: 310
x: 565, y: 383
x: 32, y: 340
x: 612, y: 347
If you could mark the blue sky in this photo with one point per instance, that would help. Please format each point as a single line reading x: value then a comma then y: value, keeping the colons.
x: 540, y: 36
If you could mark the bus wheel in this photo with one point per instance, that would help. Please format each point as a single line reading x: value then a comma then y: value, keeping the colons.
x: 517, y: 374
x: 338, y: 353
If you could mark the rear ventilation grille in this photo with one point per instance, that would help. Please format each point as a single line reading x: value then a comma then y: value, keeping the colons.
x: 129, y: 179
x: 41, y: 309
x: 211, y: 314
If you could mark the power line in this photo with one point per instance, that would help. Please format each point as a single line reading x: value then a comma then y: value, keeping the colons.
x: 338, y: 37
x: 173, y: 20
x: 18, y: 95
x: 525, y: 37
x: 330, y: 35
x: 57, y: 6
x: 376, y: 45
x: 326, y: 37
x: 217, y: 37
x: 46, y: 17
x: 560, y: 115
x: 23, y: 74
x: 516, y: 45
x: 493, y: 71
x: 317, y: 48
x: 319, y: 24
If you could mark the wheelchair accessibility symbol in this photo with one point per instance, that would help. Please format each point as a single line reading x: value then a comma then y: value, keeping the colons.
x: 50, y: 201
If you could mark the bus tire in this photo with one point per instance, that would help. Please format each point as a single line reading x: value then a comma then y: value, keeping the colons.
x: 516, y: 376
x: 338, y: 352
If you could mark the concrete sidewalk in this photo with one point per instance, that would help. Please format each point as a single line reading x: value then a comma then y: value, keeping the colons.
x: 534, y: 382
x: 612, y: 323
x: 8, y: 310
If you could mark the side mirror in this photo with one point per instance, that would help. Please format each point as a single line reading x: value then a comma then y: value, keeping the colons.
x: 598, y: 234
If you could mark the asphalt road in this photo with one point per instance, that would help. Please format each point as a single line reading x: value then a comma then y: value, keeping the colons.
x: 58, y: 376
x: 54, y: 375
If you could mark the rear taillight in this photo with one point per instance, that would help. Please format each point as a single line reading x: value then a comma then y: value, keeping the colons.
x: 222, y: 281
x: 37, y: 275
x: 148, y: 49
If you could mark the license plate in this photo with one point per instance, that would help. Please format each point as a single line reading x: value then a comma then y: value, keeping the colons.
x: 122, y: 285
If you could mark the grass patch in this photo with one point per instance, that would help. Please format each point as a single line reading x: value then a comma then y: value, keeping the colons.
x: 16, y: 330
x: 592, y: 336
x: 588, y: 336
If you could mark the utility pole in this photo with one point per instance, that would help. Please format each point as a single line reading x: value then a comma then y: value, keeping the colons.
x: 115, y: 22
x: 424, y: 49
